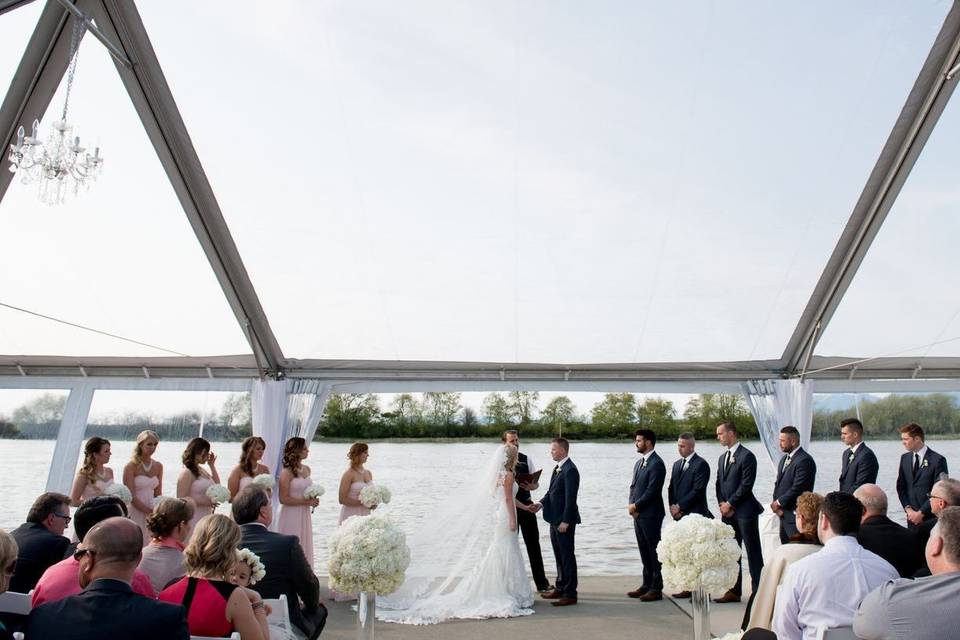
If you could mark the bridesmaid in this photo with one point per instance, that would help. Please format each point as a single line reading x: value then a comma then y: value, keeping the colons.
x: 143, y: 476
x: 354, y: 479
x: 94, y: 475
x: 294, y: 518
x: 194, y: 481
x: 249, y: 467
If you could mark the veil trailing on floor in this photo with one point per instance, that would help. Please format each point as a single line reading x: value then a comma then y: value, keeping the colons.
x: 451, y: 541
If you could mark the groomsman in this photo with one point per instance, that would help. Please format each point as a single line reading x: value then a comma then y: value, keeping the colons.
x: 739, y: 508
x: 796, y: 473
x: 920, y: 468
x: 687, y: 492
x: 859, y: 465
x: 646, y: 509
x: 526, y: 520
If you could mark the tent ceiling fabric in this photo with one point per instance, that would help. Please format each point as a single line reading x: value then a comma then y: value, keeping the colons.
x: 445, y: 195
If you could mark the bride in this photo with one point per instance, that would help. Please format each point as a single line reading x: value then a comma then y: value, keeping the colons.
x: 466, y: 562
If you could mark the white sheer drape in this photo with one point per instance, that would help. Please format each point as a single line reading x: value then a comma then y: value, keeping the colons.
x: 776, y: 404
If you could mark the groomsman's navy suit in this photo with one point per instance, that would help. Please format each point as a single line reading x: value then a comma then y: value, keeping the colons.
x: 560, y: 505
x: 735, y: 485
x: 646, y: 494
x: 796, y: 473
x: 688, y: 487
x: 861, y: 470
x: 914, y: 487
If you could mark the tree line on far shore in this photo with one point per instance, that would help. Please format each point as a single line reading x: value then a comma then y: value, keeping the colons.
x: 442, y: 415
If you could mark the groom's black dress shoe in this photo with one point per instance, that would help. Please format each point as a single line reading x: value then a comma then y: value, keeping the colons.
x: 638, y: 592
x: 547, y: 589
x: 553, y: 595
x: 651, y: 596
x: 729, y: 596
x: 564, y: 602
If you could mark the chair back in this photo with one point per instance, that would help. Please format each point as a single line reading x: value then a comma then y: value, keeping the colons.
x: 233, y: 636
x: 836, y: 633
x: 13, y: 602
x: 280, y: 614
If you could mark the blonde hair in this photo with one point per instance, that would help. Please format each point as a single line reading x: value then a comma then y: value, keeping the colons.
x: 142, y: 437
x: 8, y: 550
x: 511, y: 454
x: 808, y: 506
x: 211, y: 552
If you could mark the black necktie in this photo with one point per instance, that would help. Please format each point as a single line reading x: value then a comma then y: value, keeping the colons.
x: 916, y: 463
x: 683, y: 465
x: 643, y: 463
x: 727, y: 465
x: 556, y: 470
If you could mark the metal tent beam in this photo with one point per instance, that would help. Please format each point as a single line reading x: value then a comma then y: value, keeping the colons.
x: 925, y: 104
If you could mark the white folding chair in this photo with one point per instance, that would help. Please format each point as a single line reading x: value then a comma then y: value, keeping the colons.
x: 836, y: 633
x: 280, y: 614
x: 233, y: 636
x: 17, y: 635
x: 13, y: 602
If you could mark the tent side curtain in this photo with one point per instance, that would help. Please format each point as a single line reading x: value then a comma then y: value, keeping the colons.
x: 776, y: 404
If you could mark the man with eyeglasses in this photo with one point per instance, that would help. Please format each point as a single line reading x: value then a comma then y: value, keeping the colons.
x: 40, y: 540
x: 945, y: 493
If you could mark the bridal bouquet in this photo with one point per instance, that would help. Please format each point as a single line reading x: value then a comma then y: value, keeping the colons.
x: 119, y: 490
x: 699, y: 552
x: 312, y: 491
x: 373, y: 495
x: 218, y: 494
x: 368, y: 554
x: 265, y: 481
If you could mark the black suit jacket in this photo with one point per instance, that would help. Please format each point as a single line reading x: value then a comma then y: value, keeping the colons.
x: 735, y: 484
x: 794, y: 478
x: 892, y: 542
x: 689, y: 490
x: 287, y: 572
x: 39, y: 549
x: 863, y: 469
x: 560, y: 500
x: 646, y: 490
x: 912, y: 489
x: 108, y: 610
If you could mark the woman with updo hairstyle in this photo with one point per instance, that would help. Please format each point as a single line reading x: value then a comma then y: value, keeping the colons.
x: 169, y: 527
x: 143, y: 476
x: 216, y: 607
x: 249, y: 467
x: 759, y: 611
x: 294, y: 516
x: 194, y: 480
x: 94, y: 475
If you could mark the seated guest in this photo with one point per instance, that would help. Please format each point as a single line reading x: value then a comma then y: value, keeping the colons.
x: 8, y: 560
x: 825, y: 588
x: 919, y: 609
x: 60, y: 580
x: 40, y: 540
x: 108, y: 607
x: 878, y: 533
x: 215, y: 606
x: 945, y: 493
x: 169, y: 527
x: 288, y: 571
x: 803, y: 543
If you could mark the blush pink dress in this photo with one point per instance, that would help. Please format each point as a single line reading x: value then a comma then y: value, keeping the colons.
x: 198, y: 491
x: 244, y: 483
x: 294, y: 520
x: 144, y: 489
x: 354, y: 494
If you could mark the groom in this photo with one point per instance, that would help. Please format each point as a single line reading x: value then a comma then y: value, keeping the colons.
x: 559, y: 506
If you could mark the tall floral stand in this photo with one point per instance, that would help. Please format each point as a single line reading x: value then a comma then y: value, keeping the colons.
x: 700, y: 600
x: 367, y: 615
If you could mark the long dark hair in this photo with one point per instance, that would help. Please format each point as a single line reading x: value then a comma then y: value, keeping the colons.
x: 291, y: 454
x: 90, y: 449
x: 246, y: 453
x: 194, y: 448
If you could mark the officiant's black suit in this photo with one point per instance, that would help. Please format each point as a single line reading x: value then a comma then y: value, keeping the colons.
x: 527, y: 523
x: 863, y: 469
x: 914, y: 487
x: 688, y: 487
x: 735, y: 485
x: 792, y: 480
x: 560, y: 505
x: 646, y: 494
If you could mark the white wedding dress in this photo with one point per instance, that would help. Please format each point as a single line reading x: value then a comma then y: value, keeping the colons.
x: 465, y: 564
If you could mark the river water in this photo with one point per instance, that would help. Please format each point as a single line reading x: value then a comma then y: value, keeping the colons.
x: 421, y: 474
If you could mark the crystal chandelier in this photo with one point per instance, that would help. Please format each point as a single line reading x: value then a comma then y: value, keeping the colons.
x: 60, y: 163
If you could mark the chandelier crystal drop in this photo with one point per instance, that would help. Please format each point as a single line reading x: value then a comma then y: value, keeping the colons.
x: 60, y: 163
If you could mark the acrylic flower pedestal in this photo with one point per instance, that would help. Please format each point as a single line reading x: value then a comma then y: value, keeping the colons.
x: 700, y: 600
x: 366, y: 615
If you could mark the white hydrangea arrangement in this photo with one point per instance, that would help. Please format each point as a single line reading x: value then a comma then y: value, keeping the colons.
x: 265, y: 481
x: 218, y: 494
x: 699, y: 552
x: 373, y: 495
x: 252, y: 560
x: 119, y: 490
x: 313, y: 490
x: 368, y: 554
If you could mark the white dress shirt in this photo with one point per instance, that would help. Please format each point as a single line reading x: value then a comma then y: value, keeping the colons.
x: 825, y: 588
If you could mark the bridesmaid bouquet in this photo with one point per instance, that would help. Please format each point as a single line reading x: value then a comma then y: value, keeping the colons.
x: 373, y: 495
x: 699, y: 553
x: 218, y: 494
x: 369, y: 554
x: 265, y: 481
x: 312, y: 491
x: 119, y: 490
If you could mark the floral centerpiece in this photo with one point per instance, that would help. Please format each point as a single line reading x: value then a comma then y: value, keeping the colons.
x: 119, y: 490
x: 218, y: 494
x: 265, y: 481
x: 373, y: 495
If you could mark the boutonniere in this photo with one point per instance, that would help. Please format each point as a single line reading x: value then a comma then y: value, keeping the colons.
x: 924, y: 464
x: 850, y: 459
x: 732, y: 459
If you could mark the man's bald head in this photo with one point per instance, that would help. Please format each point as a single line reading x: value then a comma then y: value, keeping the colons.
x: 873, y: 498
x: 117, y: 540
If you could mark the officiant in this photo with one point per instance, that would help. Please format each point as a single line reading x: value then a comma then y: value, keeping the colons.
x: 527, y: 521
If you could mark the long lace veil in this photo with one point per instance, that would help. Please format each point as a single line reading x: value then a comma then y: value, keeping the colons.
x: 451, y: 540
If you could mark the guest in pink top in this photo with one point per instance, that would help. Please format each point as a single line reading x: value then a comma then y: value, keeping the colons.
x: 169, y: 526
x: 194, y: 480
x: 63, y: 579
x: 143, y: 476
x: 294, y: 518
x: 249, y: 467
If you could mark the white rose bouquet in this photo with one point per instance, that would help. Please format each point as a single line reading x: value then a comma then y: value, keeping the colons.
x: 699, y: 553
x: 373, y: 495
x: 218, y: 494
x: 252, y: 560
x: 369, y: 554
x: 119, y: 490
x: 265, y: 481
x: 312, y: 491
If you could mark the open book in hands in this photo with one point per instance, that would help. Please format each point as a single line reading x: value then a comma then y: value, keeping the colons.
x: 529, y: 478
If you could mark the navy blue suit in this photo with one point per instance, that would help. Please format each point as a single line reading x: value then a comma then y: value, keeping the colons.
x: 688, y: 489
x: 735, y: 485
x: 913, y: 489
x: 646, y: 494
x: 863, y: 469
x: 792, y: 480
x: 560, y: 505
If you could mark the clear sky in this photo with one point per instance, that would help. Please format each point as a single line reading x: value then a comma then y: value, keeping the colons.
x: 500, y: 181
